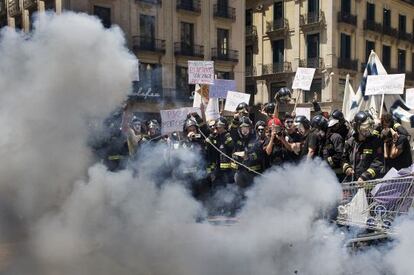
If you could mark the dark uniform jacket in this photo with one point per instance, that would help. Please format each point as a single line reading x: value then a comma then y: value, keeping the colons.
x: 333, y: 150
x: 365, y: 157
x: 253, y: 149
x: 404, y: 160
x: 311, y: 140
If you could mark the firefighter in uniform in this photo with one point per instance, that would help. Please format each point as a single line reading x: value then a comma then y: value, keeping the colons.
x: 310, y: 146
x: 221, y: 138
x: 249, y: 152
x: 363, y: 157
x: 320, y: 125
x: 242, y: 110
x: 333, y: 147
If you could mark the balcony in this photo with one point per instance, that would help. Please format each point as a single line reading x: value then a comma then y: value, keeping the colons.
x: 278, y: 28
x: 372, y: 26
x: 224, y: 12
x: 348, y: 64
x: 276, y: 68
x: 347, y: 18
x: 402, y: 35
x: 251, y: 35
x: 154, y: 2
x: 13, y: 7
x: 315, y: 62
x: 312, y: 21
x: 192, y: 6
x: 145, y: 43
x: 224, y: 55
x: 184, y: 49
x: 251, y: 71
x: 29, y: 4
x: 390, y: 31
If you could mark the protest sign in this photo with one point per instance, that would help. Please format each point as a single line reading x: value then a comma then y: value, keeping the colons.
x: 212, y: 110
x: 303, y: 78
x: 385, y: 84
x: 235, y: 98
x: 135, y: 70
x: 221, y: 86
x: 201, y: 72
x: 409, y: 97
x: 303, y: 111
x: 173, y: 120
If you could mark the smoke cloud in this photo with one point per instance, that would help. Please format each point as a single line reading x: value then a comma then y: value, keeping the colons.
x: 69, y: 215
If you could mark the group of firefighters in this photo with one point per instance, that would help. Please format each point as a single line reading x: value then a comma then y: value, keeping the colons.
x: 236, y: 150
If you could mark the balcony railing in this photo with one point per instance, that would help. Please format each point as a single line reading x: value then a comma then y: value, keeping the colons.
x: 405, y: 36
x: 348, y: 64
x: 224, y: 55
x: 312, y: 18
x: 372, y: 26
x: 251, y: 31
x: 181, y: 48
x: 315, y: 62
x: 154, y: 2
x: 224, y: 12
x: 347, y: 18
x: 146, y: 43
x: 14, y: 8
x: 275, y: 68
x: 28, y: 4
x: 251, y: 71
x: 277, y: 28
x: 189, y: 5
x: 390, y: 31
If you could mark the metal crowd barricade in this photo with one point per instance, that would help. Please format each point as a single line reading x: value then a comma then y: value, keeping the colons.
x: 375, y: 204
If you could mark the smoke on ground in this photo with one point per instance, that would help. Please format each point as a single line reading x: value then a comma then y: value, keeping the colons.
x: 79, y: 218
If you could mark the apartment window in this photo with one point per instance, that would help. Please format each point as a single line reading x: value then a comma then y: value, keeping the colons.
x: 104, y: 14
x: 313, y: 6
x: 224, y: 75
x: 222, y: 4
x: 401, y: 61
x: 249, y: 56
x: 187, y: 37
x: 150, y: 78
x: 312, y: 47
x: 412, y: 62
x: 278, y: 11
x: 370, y: 12
x: 50, y: 6
x: 183, y: 89
x: 251, y: 89
x: 346, y: 7
x: 147, y: 30
x: 222, y: 41
x: 386, y: 56
x: 369, y: 46
x: 316, y: 87
x: 386, y: 14
x: 402, y: 23
x: 278, y: 51
x: 345, y: 46
x: 249, y: 17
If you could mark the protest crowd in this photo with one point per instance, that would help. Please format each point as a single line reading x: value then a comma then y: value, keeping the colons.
x: 236, y: 149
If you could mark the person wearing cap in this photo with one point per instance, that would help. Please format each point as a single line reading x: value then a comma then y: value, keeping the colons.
x: 397, y: 150
x: 333, y: 147
x: 311, y: 143
x: 276, y: 151
x: 247, y: 151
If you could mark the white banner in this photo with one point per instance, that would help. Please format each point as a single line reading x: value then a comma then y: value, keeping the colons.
x: 212, y: 110
x: 201, y: 72
x: 173, y: 120
x: 303, y: 111
x: 303, y: 78
x: 135, y: 72
x: 235, y: 98
x: 385, y: 84
x: 409, y: 97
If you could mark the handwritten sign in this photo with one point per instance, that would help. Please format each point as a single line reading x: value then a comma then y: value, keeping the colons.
x: 221, y: 86
x: 303, y: 111
x: 212, y: 110
x: 385, y: 84
x: 201, y: 72
x: 235, y: 98
x: 303, y: 78
x: 173, y: 120
x: 409, y: 97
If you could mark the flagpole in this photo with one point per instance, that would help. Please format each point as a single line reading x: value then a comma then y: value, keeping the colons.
x: 297, y: 100
x: 382, y: 104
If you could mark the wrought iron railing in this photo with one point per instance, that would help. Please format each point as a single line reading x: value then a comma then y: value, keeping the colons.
x: 224, y: 12
x: 148, y: 44
x: 224, y: 54
x: 275, y: 68
x: 182, y: 48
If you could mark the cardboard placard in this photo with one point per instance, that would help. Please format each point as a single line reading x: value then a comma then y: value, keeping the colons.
x: 173, y: 120
x: 221, y: 86
x: 303, y: 78
x: 303, y: 111
x: 409, y: 97
x: 235, y: 98
x: 201, y: 72
x: 212, y: 109
x: 385, y: 84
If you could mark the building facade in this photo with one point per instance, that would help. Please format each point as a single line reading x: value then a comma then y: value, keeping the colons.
x: 335, y: 37
x: 164, y: 35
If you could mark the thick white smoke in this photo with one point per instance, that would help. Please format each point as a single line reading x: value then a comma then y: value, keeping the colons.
x: 83, y: 219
